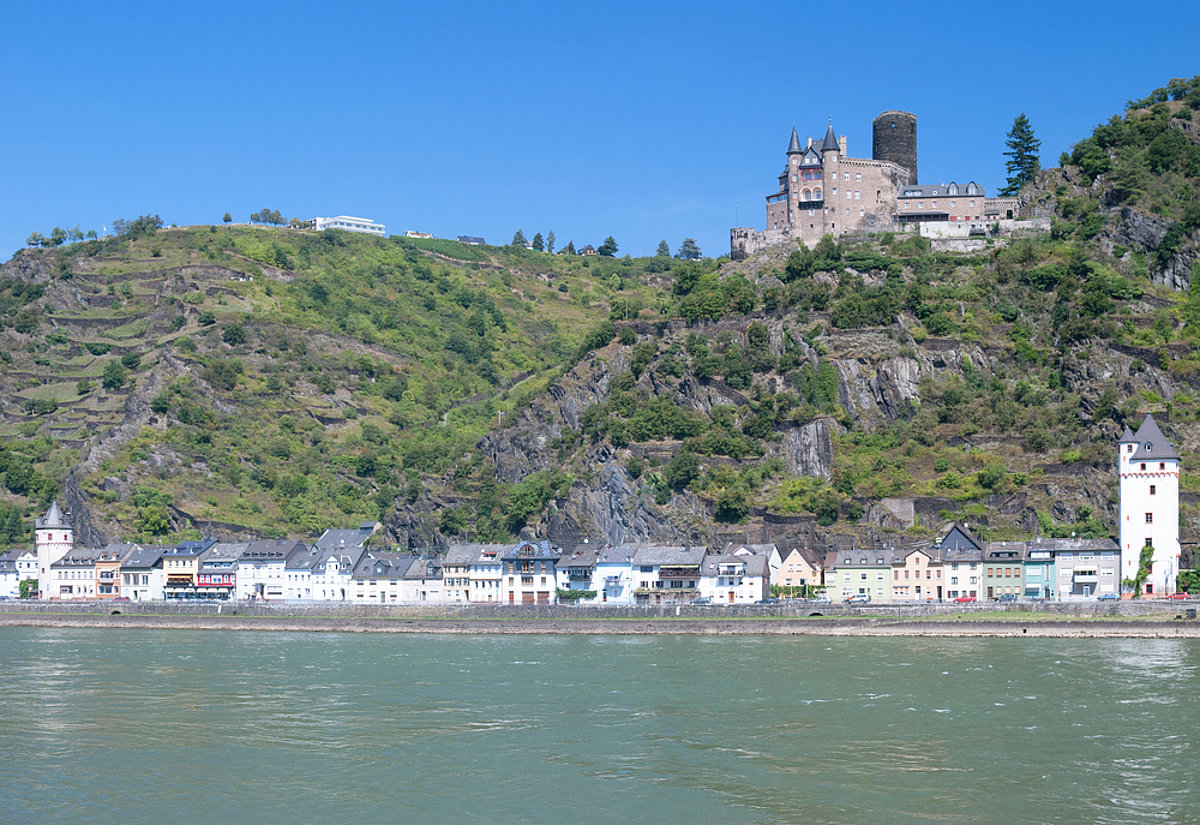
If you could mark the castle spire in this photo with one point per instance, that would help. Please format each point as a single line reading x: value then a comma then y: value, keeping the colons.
x: 830, y: 144
x: 794, y: 146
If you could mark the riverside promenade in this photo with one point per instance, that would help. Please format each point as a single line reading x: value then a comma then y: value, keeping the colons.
x: 1080, y: 620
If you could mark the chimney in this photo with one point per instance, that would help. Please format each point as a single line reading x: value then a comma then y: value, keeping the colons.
x: 842, y: 145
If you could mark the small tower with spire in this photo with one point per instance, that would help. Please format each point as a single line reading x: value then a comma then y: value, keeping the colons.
x: 1148, y: 512
x: 53, y: 538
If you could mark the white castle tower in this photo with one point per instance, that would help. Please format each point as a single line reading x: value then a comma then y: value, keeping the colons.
x: 1148, y: 468
x: 53, y: 538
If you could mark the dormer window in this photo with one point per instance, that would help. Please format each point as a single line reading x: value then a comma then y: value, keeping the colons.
x: 1149, y: 446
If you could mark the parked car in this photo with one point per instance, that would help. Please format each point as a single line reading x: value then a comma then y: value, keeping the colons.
x: 1007, y: 598
x: 858, y: 598
x: 822, y: 600
x: 965, y: 600
x: 1177, y: 596
x: 1108, y: 597
x: 768, y: 600
x: 703, y: 600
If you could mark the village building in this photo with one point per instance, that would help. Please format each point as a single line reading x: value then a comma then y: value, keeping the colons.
x: 262, y: 569
x: 142, y: 577
x: 529, y: 573
x: 53, y: 538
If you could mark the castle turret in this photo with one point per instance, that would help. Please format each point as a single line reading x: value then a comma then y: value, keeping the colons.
x: 1148, y: 469
x: 53, y: 538
x: 794, y: 147
x: 894, y: 138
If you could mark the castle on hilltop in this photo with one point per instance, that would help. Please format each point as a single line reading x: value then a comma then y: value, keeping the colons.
x: 824, y: 191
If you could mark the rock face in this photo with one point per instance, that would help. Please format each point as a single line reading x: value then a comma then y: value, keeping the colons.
x: 1138, y: 231
x: 808, y: 450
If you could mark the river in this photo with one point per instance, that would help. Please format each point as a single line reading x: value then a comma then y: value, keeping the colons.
x: 162, y: 726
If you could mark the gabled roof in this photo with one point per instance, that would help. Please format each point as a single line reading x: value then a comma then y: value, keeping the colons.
x: 959, y: 541
x: 753, y: 565
x: 621, y: 554
x: 830, y: 143
x: 332, y: 539
x: 224, y: 553
x: 189, y: 549
x: 142, y: 557
x: 1152, y: 444
x: 584, y: 555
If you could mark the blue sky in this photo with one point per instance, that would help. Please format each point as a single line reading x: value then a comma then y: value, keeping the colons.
x: 639, y: 120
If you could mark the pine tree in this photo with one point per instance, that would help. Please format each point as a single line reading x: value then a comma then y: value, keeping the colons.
x: 518, y: 239
x: 538, y: 243
x: 550, y: 241
x: 609, y: 248
x: 688, y: 250
x: 569, y: 249
x: 1023, y: 161
x: 663, y: 250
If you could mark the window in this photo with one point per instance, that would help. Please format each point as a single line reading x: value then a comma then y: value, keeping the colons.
x: 1151, y: 489
x: 858, y: 177
x: 1143, y: 467
x: 1149, y: 518
x: 858, y: 194
x: 847, y: 176
x: 1162, y: 465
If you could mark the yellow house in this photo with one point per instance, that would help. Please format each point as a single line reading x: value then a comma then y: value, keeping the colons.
x: 800, y: 568
x: 917, y: 576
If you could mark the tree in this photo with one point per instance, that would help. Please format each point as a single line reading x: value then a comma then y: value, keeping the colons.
x: 1023, y: 161
x: 35, y: 239
x: 114, y: 374
x: 519, y: 239
x: 569, y: 249
x: 550, y: 241
x: 227, y: 218
x: 608, y: 249
x: 663, y: 250
x: 58, y: 236
x: 233, y: 334
x: 538, y: 243
x: 688, y: 250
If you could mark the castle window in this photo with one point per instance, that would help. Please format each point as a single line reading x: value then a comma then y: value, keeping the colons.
x: 1162, y: 465
x: 1143, y: 467
x: 816, y: 194
x: 861, y: 213
x: 857, y: 195
x: 1149, y: 518
x: 953, y: 205
x: 847, y: 213
x: 1129, y: 449
x: 835, y: 191
x: 810, y: 213
x: 847, y: 176
x: 953, y: 190
x: 858, y: 177
x: 1151, y: 489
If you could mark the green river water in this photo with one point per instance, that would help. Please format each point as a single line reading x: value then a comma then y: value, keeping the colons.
x: 150, y: 726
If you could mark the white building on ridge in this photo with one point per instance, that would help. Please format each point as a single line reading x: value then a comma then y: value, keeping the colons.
x: 349, y: 224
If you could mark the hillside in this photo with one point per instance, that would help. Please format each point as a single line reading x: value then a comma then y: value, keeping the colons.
x: 278, y: 380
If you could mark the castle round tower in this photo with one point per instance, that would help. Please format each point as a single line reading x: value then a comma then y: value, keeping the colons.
x: 1148, y: 470
x: 894, y: 138
x: 53, y: 538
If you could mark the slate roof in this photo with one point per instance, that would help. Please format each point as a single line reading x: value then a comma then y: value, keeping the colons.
x: 668, y: 556
x: 928, y: 190
x: 754, y: 565
x: 794, y: 146
x: 142, y: 558
x: 540, y: 550
x: 584, y: 555
x: 384, y: 566
x: 188, y: 549
x: 223, y: 554
x: 1152, y: 444
x: 332, y: 539
x: 830, y: 143
x: 267, y: 550
x: 621, y: 554
x: 53, y: 519
x: 1005, y: 550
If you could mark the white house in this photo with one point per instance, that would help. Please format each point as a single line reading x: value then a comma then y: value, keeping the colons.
x: 10, y: 580
x: 576, y: 570
x: 670, y: 573
x: 486, y: 573
x: 740, y: 577
x: 1148, y: 468
x: 338, y: 553
x: 262, y: 569
x: 142, y: 576
x: 614, y: 575
x: 349, y: 223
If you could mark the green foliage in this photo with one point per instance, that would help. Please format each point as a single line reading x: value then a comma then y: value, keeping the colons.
x: 114, y: 375
x: 1023, y: 162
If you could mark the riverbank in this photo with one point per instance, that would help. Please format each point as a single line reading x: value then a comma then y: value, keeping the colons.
x: 998, y: 626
